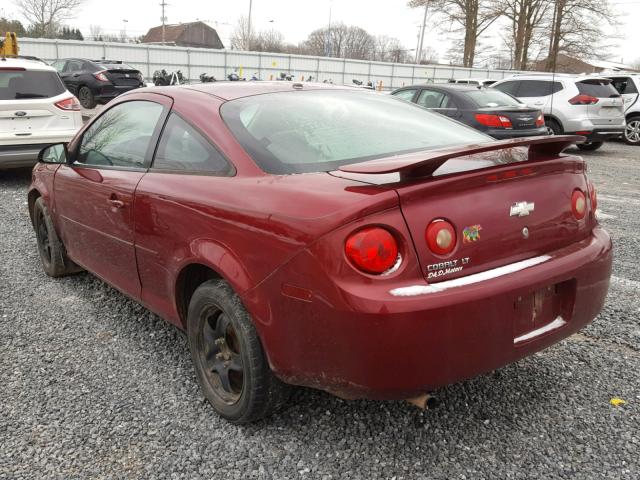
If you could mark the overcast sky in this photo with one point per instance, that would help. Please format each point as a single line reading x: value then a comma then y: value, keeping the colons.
x: 296, y: 18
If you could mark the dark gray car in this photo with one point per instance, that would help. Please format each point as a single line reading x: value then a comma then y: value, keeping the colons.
x: 490, y: 111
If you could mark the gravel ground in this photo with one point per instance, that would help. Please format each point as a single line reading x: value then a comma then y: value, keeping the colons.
x: 94, y: 386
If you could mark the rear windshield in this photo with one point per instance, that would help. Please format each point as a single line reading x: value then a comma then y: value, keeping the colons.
x: 315, y: 131
x: 492, y: 98
x: 597, y: 88
x: 25, y: 84
x: 115, y: 66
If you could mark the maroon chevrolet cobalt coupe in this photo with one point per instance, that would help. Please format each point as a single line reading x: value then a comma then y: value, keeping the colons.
x: 323, y: 236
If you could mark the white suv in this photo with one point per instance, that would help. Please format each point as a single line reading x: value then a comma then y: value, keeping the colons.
x: 628, y: 86
x: 36, y: 110
x: 572, y: 104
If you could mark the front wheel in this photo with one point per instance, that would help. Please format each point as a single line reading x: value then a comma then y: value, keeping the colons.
x: 632, y: 132
x: 590, y: 146
x: 227, y: 354
x: 52, y: 253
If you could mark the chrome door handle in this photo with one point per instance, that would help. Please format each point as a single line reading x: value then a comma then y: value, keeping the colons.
x: 116, y: 203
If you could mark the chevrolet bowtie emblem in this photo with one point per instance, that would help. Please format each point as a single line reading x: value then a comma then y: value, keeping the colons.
x: 521, y: 209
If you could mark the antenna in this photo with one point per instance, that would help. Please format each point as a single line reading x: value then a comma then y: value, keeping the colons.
x: 163, y: 4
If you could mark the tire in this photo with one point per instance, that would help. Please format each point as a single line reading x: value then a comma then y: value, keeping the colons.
x: 86, y: 97
x: 553, y: 127
x: 160, y: 82
x: 590, y: 146
x: 632, y: 131
x: 52, y: 253
x: 230, y: 364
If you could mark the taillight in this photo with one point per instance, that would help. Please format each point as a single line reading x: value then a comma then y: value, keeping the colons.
x: 540, y: 121
x: 440, y: 236
x: 583, y: 100
x: 70, y: 103
x: 578, y: 204
x: 101, y: 76
x: 593, y: 196
x: 494, y: 121
x: 372, y: 250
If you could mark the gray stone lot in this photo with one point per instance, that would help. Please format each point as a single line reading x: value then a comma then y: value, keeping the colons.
x: 94, y: 386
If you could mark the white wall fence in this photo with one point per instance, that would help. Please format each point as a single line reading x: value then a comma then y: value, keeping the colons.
x: 219, y: 63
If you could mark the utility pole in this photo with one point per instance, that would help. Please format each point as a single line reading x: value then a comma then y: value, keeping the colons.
x: 164, y: 19
x: 328, y: 48
x: 424, y: 23
x: 248, y: 46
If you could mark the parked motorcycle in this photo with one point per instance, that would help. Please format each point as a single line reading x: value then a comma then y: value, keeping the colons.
x: 162, y: 78
x: 204, y: 78
x: 285, y: 77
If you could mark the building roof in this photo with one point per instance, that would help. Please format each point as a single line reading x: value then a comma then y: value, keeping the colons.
x: 179, y: 34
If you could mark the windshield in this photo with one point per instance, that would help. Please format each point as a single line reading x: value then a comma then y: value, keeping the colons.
x: 25, y: 84
x: 315, y: 131
x: 492, y: 98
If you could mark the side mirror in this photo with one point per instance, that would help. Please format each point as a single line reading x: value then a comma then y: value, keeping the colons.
x: 56, y: 153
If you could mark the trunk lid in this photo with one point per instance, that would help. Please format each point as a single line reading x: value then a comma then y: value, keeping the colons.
x: 25, y: 118
x: 490, y: 197
x: 521, y: 118
x: 609, y: 109
x: 122, y: 75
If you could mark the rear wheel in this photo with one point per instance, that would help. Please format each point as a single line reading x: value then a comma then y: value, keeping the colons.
x: 52, y: 253
x: 553, y: 127
x: 590, y: 146
x: 632, y: 131
x: 230, y: 364
x: 86, y: 97
x: 160, y: 82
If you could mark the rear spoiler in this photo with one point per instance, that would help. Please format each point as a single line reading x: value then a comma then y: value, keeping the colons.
x: 422, y: 164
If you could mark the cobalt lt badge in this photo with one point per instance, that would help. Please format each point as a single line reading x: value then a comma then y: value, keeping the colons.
x: 521, y: 209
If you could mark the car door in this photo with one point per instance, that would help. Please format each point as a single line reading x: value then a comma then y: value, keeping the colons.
x: 94, y: 195
x: 70, y: 75
x: 628, y: 89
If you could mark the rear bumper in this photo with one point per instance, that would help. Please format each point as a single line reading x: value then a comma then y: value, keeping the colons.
x: 602, y: 134
x: 26, y: 154
x: 506, y: 134
x: 109, y: 92
x: 356, y: 342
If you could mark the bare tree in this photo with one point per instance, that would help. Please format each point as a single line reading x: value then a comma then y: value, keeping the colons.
x: 577, y: 29
x: 269, y: 41
x: 471, y: 18
x: 95, y: 32
x: 429, y: 55
x: 243, y: 37
x: 46, y: 16
x: 527, y: 17
x: 341, y: 41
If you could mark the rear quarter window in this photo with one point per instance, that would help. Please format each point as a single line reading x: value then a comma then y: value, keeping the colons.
x: 29, y: 84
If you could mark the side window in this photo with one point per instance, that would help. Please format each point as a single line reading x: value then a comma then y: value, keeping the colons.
x: 59, y: 65
x: 73, y: 66
x: 624, y: 85
x: 508, y: 87
x: 430, y: 99
x: 406, y: 95
x: 120, y: 137
x: 538, y: 88
x: 182, y: 148
x: 448, y: 102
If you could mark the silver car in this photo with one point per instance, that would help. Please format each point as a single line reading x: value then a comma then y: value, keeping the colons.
x: 572, y: 104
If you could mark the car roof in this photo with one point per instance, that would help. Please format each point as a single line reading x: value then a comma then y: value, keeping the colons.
x: 452, y: 87
x: 27, y: 64
x: 558, y: 77
x: 232, y: 90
